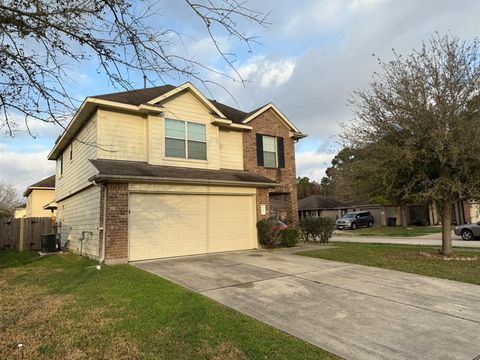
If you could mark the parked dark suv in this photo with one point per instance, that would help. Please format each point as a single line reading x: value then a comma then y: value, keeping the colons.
x: 354, y: 220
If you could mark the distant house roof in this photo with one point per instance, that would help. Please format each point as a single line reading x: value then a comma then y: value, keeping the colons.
x: 50, y: 206
x: 21, y: 206
x: 139, y: 170
x: 47, y: 183
x: 319, y: 202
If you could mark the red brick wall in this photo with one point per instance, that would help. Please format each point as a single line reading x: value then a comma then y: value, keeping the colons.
x: 262, y: 198
x: 116, y: 227
x: 269, y: 124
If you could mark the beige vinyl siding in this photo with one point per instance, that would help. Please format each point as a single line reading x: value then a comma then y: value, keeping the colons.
x: 122, y: 136
x: 186, y: 107
x: 474, y: 212
x: 155, y: 139
x: 36, y: 200
x: 20, y: 213
x: 77, y: 171
x: 231, y: 150
x: 81, y: 213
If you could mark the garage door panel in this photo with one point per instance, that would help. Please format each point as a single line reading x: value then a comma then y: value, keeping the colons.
x: 233, y: 231
x: 165, y: 225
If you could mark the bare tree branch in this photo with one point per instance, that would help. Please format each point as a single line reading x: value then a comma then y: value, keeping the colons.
x: 41, y: 40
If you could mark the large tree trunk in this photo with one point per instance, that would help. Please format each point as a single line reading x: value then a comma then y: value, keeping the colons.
x: 446, y: 231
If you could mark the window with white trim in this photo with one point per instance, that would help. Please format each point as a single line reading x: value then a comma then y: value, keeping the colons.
x: 60, y: 165
x: 185, y: 140
x: 270, y: 158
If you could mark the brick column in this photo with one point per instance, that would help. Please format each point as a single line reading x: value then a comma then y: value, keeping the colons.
x: 116, y: 227
x: 262, y: 199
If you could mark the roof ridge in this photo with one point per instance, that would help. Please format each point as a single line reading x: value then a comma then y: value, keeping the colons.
x: 134, y: 90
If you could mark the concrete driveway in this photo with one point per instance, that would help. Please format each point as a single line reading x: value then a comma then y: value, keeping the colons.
x: 354, y: 311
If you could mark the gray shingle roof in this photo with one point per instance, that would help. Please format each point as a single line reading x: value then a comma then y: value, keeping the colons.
x: 45, y: 183
x: 136, y: 97
x: 142, y: 96
x: 121, y: 169
x: 317, y: 202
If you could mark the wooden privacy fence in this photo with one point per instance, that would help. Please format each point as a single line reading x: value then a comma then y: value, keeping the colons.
x: 23, y: 234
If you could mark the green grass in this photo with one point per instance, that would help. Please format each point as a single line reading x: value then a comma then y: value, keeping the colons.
x: 409, y: 258
x: 398, y: 231
x: 10, y: 258
x: 62, y: 307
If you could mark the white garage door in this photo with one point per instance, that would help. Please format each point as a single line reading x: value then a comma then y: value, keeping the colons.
x: 164, y: 225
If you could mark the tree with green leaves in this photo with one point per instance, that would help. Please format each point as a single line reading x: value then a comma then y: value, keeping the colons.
x: 307, y: 187
x: 418, y: 126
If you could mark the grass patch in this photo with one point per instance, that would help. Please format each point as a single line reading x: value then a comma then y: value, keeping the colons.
x: 61, y: 307
x: 414, y: 259
x: 10, y: 258
x: 398, y: 231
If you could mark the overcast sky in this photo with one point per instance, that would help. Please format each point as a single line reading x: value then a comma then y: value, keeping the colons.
x: 308, y: 62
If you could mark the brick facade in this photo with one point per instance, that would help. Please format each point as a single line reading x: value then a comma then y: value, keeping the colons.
x: 116, y: 226
x: 268, y: 123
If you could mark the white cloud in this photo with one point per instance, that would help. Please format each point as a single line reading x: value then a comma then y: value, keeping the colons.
x: 266, y: 72
x: 23, y: 168
x: 313, y: 164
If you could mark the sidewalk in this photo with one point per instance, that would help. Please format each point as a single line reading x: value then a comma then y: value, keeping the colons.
x: 430, y: 239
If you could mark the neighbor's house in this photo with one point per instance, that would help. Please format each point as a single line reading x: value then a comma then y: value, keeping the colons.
x: 20, y: 211
x: 427, y: 214
x: 419, y: 214
x: 38, y: 196
x: 165, y: 171
x: 321, y: 206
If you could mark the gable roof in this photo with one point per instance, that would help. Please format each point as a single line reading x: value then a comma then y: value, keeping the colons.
x: 147, y: 101
x: 317, y: 202
x: 253, y: 114
x: 139, y: 170
x: 193, y: 90
x: 46, y: 184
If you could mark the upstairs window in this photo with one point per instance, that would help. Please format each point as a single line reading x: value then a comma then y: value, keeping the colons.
x: 185, y: 140
x: 60, y: 165
x: 270, y: 151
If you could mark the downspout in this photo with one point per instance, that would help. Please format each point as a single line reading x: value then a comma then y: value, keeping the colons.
x: 102, y: 257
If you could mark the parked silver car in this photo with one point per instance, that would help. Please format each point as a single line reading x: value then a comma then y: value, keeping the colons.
x: 468, y: 231
x: 354, y: 220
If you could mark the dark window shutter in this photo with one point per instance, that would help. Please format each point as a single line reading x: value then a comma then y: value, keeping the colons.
x: 281, y: 152
x: 259, y: 150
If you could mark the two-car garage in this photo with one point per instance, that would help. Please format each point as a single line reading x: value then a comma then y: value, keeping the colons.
x: 166, y: 221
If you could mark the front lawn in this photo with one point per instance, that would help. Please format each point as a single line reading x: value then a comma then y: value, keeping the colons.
x: 415, y: 259
x: 61, y: 307
x: 399, y: 231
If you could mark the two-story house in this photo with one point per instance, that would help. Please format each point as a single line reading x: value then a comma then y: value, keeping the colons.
x: 164, y: 171
x: 39, y: 196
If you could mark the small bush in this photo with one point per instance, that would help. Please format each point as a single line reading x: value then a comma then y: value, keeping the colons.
x: 421, y: 222
x: 289, y: 237
x: 265, y: 233
x: 317, y: 229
